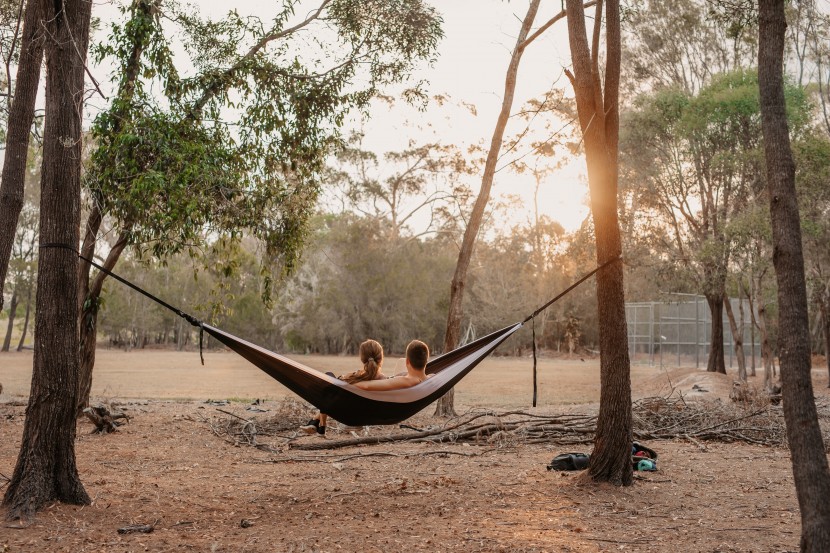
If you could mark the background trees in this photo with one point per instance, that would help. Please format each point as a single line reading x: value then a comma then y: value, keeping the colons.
x: 235, y: 149
x: 698, y: 156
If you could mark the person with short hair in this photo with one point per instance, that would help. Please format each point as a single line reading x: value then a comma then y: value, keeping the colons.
x: 371, y: 355
x: 417, y: 355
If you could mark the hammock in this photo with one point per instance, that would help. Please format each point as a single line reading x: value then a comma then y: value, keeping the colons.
x: 346, y: 403
x: 357, y: 407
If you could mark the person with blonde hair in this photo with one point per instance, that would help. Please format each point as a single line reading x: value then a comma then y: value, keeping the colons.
x: 371, y: 355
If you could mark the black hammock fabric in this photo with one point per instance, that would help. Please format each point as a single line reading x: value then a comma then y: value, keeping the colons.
x: 354, y: 406
x: 346, y: 403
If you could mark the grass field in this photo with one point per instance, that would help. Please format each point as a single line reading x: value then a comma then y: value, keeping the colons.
x: 497, y: 382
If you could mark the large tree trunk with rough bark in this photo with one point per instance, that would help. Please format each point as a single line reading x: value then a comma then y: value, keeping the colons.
x: 445, y: 405
x: 46, y: 468
x: 737, y: 339
x: 809, y: 460
x: 21, y: 115
x: 599, y: 122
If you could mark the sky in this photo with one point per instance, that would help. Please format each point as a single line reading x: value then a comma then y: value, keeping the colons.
x: 471, y: 64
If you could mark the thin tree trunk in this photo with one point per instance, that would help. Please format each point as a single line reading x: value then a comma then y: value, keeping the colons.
x: 599, y: 121
x: 737, y: 339
x: 809, y: 461
x: 26, y: 318
x: 46, y: 469
x: 88, y: 322
x: 21, y: 115
x: 445, y: 405
x: 89, y: 291
x: 766, y: 349
x: 750, y: 298
x: 10, y: 327
x: 716, y: 361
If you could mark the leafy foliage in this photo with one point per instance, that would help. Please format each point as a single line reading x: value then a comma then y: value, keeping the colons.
x: 237, y: 148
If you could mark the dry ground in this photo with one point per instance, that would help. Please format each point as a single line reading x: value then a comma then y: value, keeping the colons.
x: 166, y: 467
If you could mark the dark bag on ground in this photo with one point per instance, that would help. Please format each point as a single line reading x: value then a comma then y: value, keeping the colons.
x: 570, y: 461
x: 642, y: 458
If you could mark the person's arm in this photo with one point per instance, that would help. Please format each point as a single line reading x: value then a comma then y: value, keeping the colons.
x: 395, y: 383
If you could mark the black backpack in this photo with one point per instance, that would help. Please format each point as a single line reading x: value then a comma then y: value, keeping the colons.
x: 569, y: 461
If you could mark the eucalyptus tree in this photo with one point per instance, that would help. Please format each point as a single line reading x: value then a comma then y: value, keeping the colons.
x: 812, y: 155
x: 237, y: 148
x: 811, y: 473
x: 21, y: 114
x: 445, y: 405
x: 682, y: 44
x: 697, y: 158
x: 597, y: 101
x: 23, y: 260
x: 405, y: 190
x: 46, y: 469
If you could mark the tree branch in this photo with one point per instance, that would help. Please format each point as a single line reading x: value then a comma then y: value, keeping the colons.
x: 548, y: 25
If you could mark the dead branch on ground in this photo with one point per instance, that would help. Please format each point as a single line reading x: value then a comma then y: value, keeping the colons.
x: 654, y: 418
x: 105, y: 418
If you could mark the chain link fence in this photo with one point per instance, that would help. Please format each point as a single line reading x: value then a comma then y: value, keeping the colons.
x: 678, y: 332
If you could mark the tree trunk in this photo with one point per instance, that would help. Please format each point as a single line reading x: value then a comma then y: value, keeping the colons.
x: 716, y: 361
x: 26, y: 318
x: 10, y: 327
x: 825, y: 315
x: 766, y: 349
x: 599, y: 122
x: 752, y: 325
x: 823, y: 301
x: 737, y: 339
x: 809, y: 460
x: 21, y: 115
x: 445, y: 405
x: 46, y: 469
x: 88, y: 319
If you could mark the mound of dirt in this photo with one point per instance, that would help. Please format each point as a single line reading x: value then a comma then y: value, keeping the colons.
x: 692, y: 383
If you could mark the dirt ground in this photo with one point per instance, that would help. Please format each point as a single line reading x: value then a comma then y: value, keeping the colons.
x: 167, y: 468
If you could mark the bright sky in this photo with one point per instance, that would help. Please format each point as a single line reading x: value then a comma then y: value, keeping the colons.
x: 473, y: 58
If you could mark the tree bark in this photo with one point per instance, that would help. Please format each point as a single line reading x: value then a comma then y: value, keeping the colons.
x: 88, y: 317
x: 445, y: 405
x: 26, y: 317
x: 809, y: 460
x: 766, y: 349
x: 716, y: 361
x: 21, y: 115
x: 10, y: 327
x: 737, y: 339
x: 46, y: 468
x: 599, y: 121
x: 825, y: 314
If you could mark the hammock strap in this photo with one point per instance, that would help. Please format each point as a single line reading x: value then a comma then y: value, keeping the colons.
x: 533, y: 327
x: 187, y: 317
x: 571, y: 287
